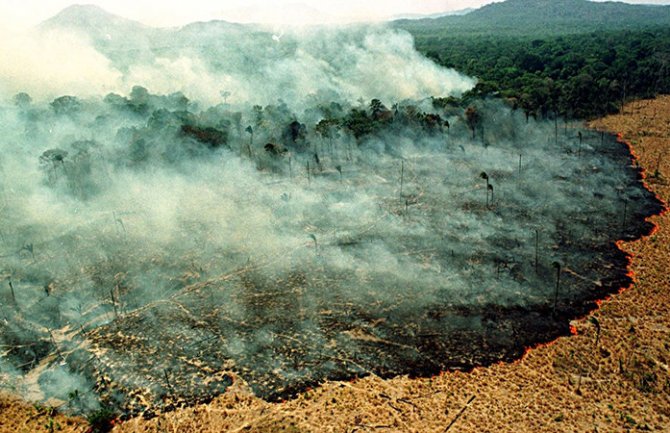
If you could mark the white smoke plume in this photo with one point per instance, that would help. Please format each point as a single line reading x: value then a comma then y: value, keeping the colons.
x: 289, y: 209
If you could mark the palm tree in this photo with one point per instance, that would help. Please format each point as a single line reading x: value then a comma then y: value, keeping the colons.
x: 472, y: 117
x: 51, y: 160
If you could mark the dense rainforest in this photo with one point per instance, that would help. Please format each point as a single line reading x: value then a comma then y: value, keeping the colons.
x: 578, y: 65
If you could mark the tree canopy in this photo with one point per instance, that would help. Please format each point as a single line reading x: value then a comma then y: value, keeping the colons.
x: 576, y: 76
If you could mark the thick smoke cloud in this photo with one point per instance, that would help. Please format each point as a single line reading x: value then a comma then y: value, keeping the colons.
x: 49, y: 66
x: 284, y: 229
x: 249, y: 65
x: 263, y: 68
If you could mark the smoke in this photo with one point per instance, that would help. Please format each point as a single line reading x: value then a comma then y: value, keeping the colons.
x: 258, y: 69
x: 48, y: 66
x: 290, y: 229
x: 250, y: 65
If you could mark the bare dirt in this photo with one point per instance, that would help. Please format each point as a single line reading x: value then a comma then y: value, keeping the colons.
x: 612, y: 376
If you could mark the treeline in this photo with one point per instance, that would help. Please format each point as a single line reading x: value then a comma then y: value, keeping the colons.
x: 574, y: 76
x: 144, y: 128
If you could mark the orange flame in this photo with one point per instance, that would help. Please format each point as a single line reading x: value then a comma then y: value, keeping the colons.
x: 643, y: 173
x: 620, y: 244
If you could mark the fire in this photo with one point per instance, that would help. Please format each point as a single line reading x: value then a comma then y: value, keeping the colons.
x: 620, y: 244
x: 527, y: 350
x: 643, y: 172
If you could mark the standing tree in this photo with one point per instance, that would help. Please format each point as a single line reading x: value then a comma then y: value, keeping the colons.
x: 66, y: 105
x: 557, y: 266
x: 376, y: 108
x: 22, y: 100
x: 139, y: 99
x: 295, y: 135
x: 581, y: 138
x: 327, y: 128
x: 485, y: 176
x: 250, y: 130
x: 11, y: 289
x: 473, y: 118
x: 53, y: 161
x: 359, y: 123
x: 402, y: 176
x: 537, y: 249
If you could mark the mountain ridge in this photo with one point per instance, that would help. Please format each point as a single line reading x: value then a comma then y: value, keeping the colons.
x: 544, y: 17
x: 509, y: 18
x: 79, y: 15
x: 96, y: 24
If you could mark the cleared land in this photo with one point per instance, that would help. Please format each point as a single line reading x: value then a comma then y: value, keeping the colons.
x: 612, y: 376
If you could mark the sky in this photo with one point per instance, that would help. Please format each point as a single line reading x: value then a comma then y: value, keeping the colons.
x: 27, y: 13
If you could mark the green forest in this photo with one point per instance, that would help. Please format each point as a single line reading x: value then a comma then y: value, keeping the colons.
x: 580, y: 66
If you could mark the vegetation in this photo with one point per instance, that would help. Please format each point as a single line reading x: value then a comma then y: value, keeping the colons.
x: 583, y: 61
x: 102, y: 420
x: 530, y: 18
x: 576, y: 76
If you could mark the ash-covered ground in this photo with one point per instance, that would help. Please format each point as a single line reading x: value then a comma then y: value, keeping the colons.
x: 401, y: 254
x: 153, y: 245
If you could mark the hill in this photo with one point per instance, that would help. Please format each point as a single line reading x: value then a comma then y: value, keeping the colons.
x: 574, y: 58
x: 95, y: 22
x: 126, y: 42
x: 542, y: 17
x: 411, y: 16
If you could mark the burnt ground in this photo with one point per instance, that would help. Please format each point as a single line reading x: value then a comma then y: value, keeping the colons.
x: 187, y: 349
x: 286, y: 330
x: 596, y: 381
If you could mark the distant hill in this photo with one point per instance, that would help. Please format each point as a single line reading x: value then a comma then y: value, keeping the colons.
x: 94, y: 22
x: 511, y: 17
x: 575, y: 57
x: 127, y: 42
x: 435, y: 15
x: 542, y: 17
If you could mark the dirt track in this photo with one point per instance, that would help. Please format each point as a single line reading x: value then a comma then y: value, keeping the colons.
x: 613, y: 380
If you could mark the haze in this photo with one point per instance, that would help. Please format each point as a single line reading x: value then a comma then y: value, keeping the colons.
x: 290, y: 206
x: 27, y: 13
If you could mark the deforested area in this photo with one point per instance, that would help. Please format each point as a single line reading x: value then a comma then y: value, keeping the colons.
x: 373, y: 216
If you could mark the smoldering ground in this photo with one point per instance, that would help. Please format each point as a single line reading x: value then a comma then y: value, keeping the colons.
x: 153, y: 245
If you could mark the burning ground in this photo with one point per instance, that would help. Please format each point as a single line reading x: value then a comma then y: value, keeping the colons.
x: 157, y: 247
x: 146, y: 277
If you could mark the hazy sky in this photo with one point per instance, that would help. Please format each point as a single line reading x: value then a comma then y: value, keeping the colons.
x: 22, y: 13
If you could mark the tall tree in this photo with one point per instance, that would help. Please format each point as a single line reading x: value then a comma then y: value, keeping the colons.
x: 472, y: 118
